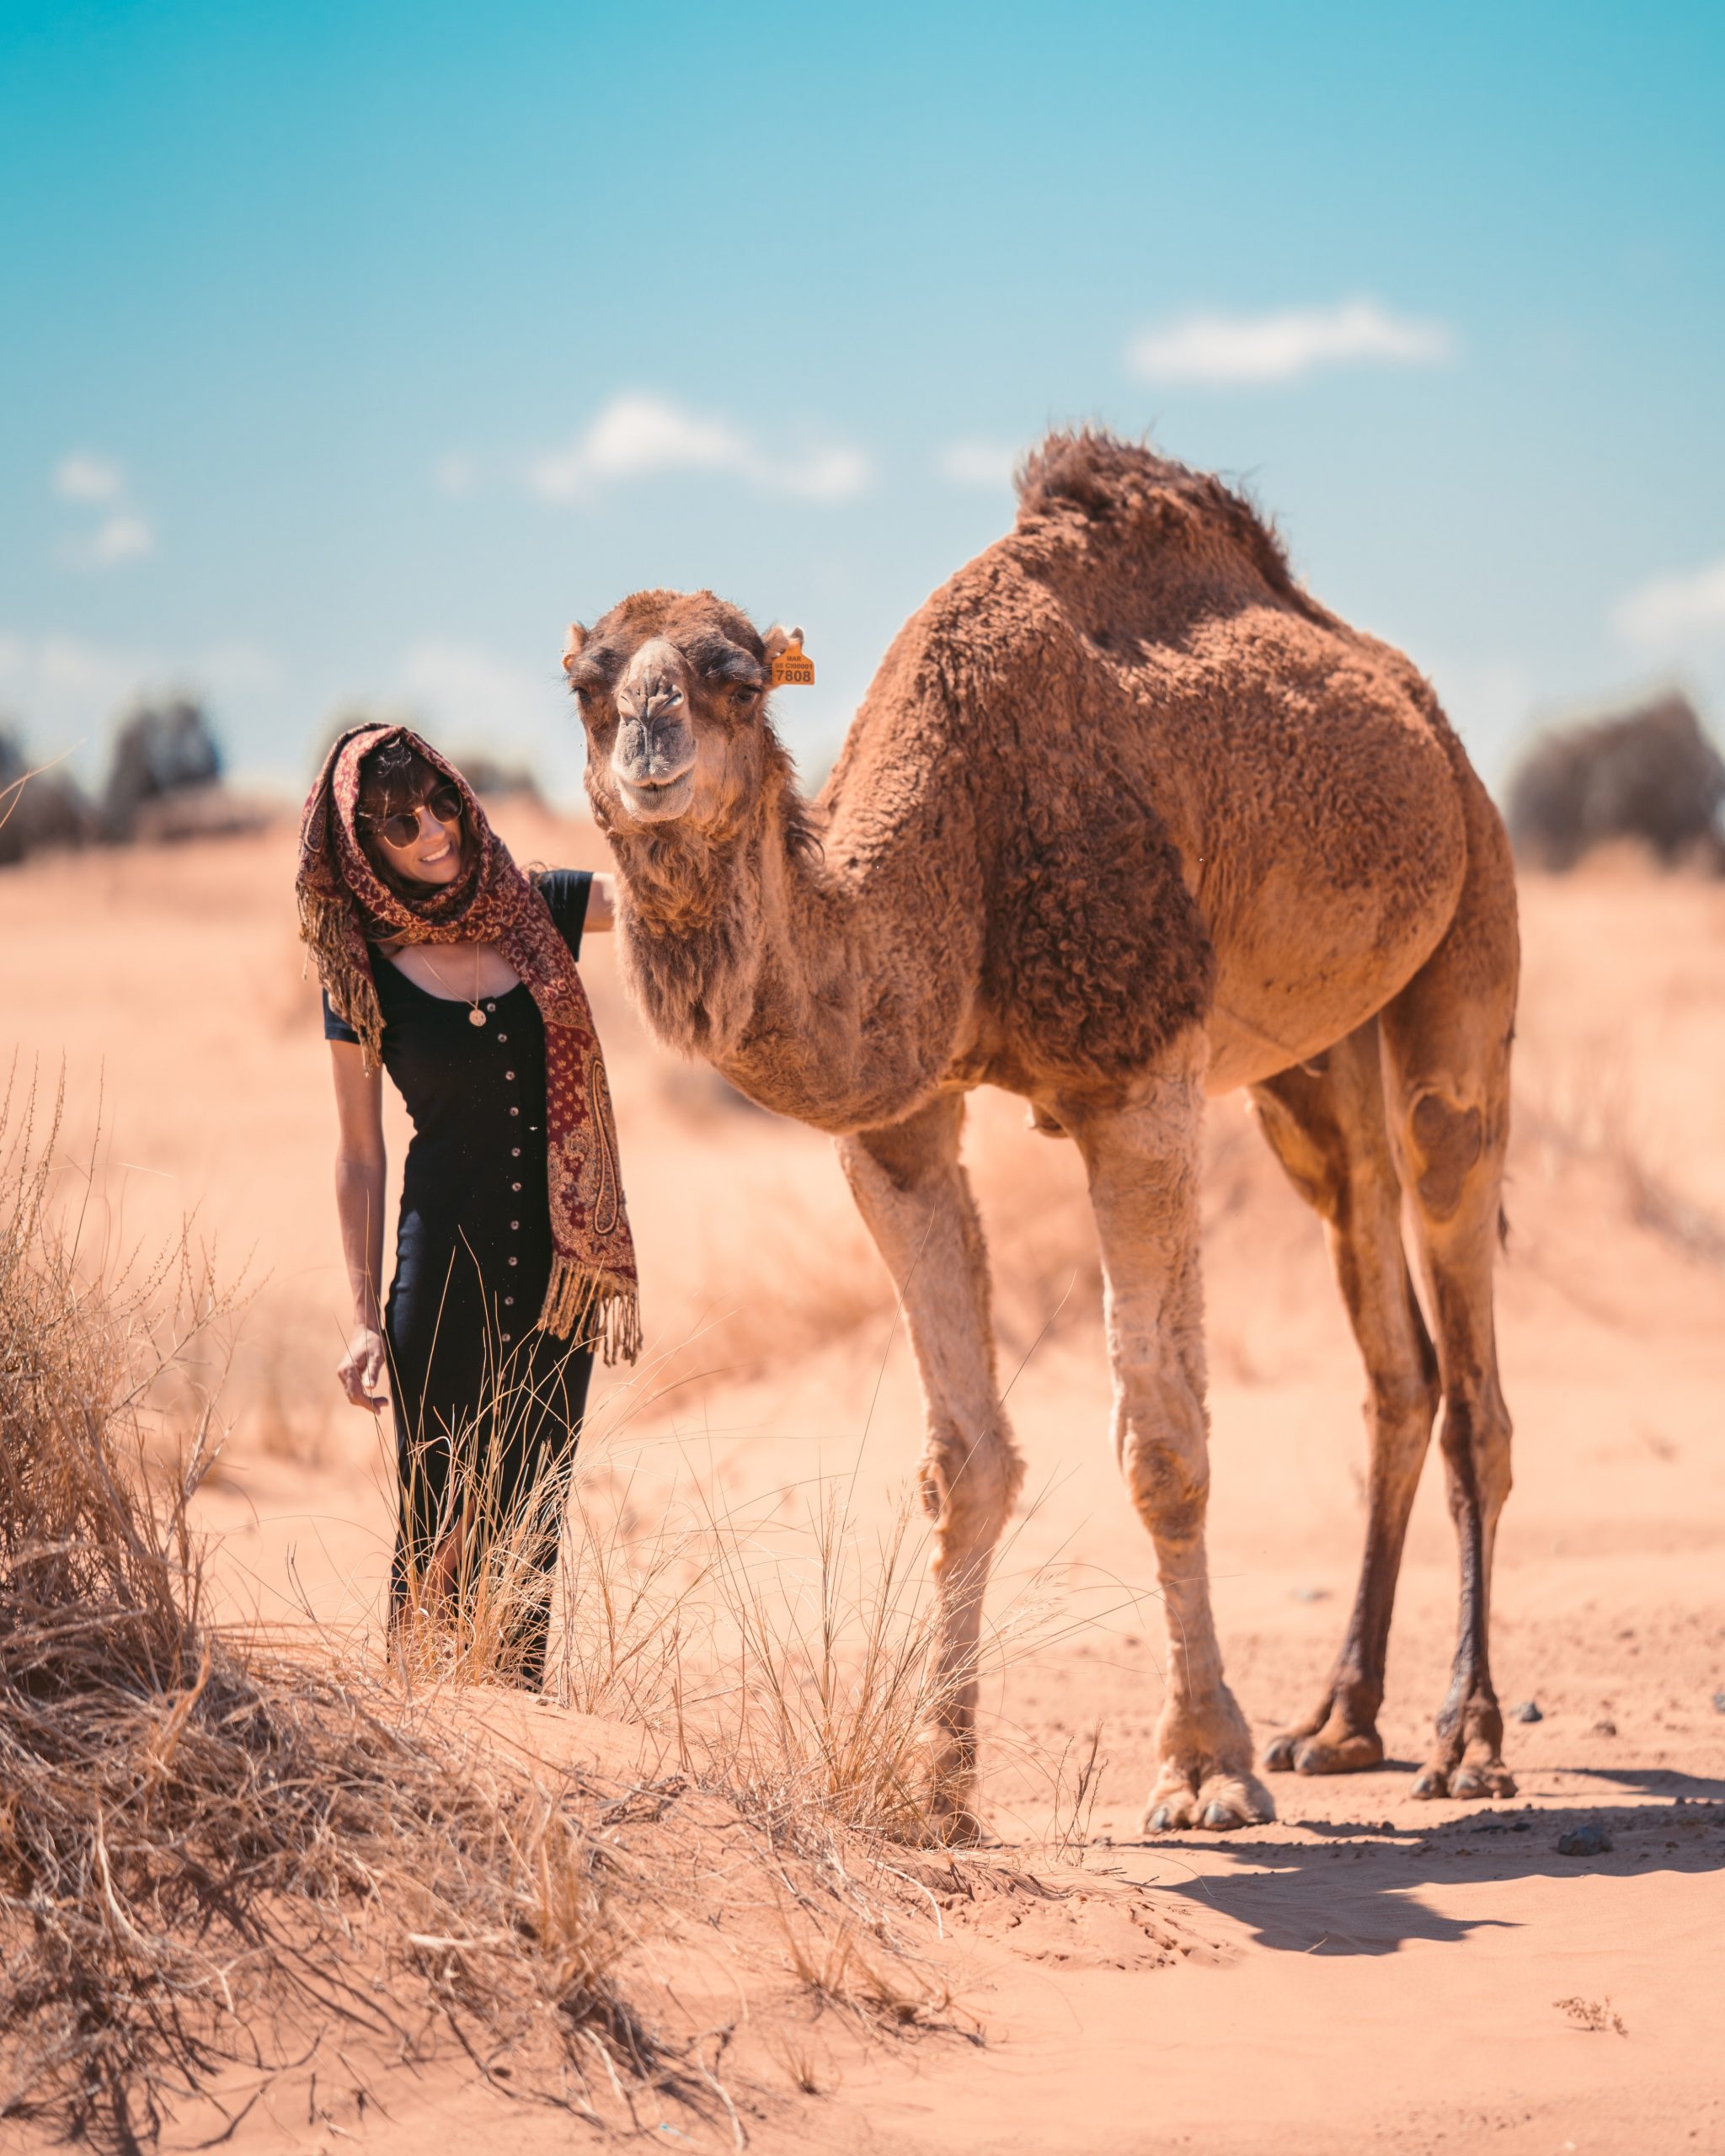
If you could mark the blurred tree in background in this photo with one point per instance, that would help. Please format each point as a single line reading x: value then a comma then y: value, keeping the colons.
x: 160, y: 751
x: 37, y: 807
x: 1648, y: 773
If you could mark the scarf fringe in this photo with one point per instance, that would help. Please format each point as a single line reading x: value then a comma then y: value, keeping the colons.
x: 600, y: 1309
x: 347, y: 979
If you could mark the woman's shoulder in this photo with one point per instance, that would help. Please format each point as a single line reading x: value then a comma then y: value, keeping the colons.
x: 387, y: 979
x: 337, y: 1028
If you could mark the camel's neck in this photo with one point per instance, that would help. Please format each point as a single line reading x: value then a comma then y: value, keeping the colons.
x: 833, y: 986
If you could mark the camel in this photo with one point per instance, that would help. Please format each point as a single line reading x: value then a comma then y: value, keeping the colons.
x: 1125, y: 818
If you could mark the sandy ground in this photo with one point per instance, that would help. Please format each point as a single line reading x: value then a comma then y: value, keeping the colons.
x: 1369, y: 1971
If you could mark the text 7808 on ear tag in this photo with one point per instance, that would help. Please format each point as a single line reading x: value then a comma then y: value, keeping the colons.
x: 791, y: 668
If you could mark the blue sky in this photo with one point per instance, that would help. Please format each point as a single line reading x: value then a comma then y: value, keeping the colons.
x: 350, y: 350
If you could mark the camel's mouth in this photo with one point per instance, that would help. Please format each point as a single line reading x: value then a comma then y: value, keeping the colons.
x: 656, y: 801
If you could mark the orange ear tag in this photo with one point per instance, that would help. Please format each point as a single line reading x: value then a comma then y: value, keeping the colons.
x: 790, y: 668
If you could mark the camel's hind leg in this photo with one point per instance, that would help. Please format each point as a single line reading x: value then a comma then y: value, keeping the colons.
x: 1327, y: 1127
x: 915, y: 1195
x: 1143, y: 1163
x: 1446, y: 1041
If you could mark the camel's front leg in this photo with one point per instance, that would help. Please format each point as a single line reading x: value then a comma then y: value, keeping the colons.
x: 914, y: 1194
x: 1143, y: 1162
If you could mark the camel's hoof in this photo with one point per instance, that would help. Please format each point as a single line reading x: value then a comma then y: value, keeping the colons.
x: 1483, y: 1778
x: 1431, y: 1781
x: 1225, y: 1802
x: 1353, y: 1754
x: 1228, y: 1800
x: 1279, y: 1754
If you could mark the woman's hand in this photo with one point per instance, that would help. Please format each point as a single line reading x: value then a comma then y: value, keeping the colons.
x: 362, y: 1370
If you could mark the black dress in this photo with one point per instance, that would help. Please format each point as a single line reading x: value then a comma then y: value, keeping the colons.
x: 475, y: 1381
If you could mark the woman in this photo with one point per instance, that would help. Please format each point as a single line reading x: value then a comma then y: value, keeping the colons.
x: 444, y: 964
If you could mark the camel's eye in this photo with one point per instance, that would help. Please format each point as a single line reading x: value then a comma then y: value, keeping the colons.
x: 742, y: 697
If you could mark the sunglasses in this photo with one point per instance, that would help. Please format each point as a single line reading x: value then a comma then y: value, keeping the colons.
x: 445, y: 803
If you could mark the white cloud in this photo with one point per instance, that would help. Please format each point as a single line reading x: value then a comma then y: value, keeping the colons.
x: 826, y: 475
x: 81, y: 477
x: 1277, y: 347
x: 122, y: 537
x: 637, y: 436
x: 977, y: 463
x: 1674, y: 610
x: 120, y: 534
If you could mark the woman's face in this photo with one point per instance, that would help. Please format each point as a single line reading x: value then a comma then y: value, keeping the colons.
x: 431, y: 851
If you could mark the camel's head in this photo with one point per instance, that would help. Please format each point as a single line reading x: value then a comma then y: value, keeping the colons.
x: 672, y: 686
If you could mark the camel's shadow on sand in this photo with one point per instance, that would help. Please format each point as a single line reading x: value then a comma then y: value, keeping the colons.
x: 1356, y: 1889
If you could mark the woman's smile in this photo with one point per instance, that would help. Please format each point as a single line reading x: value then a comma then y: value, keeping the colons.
x: 434, y: 854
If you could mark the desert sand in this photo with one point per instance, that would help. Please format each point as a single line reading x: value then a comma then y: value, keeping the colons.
x: 1368, y: 1972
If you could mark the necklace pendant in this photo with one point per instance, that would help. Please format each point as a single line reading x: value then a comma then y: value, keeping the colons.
x: 476, y: 1016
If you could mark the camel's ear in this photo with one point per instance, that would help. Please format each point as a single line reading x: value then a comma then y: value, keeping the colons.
x: 573, y: 646
x: 786, y: 659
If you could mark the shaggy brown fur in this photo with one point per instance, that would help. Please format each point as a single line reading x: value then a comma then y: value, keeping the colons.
x: 1124, y: 816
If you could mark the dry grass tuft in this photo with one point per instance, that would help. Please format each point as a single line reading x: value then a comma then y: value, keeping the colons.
x: 1596, y: 2017
x: 847, y: 1965
x: 822, y: 1685
x: 207, y: 1857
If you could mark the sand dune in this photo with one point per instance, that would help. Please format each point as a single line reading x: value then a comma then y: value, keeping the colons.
x: 1370, y: 1970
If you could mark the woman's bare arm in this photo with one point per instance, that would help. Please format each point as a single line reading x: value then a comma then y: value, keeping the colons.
x: 601, y: 905
x: 361, y: 1169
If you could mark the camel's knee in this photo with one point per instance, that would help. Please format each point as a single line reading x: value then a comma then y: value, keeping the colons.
x: 969, y: 1481
x: 1405, y: 1399
x: 1446, y: 1141
x: 1164, y: 1453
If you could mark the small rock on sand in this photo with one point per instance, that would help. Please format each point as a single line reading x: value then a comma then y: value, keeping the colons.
x: 1529, y: 1710
x: 1584, y: 1841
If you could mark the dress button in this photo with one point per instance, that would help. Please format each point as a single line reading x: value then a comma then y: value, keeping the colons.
x: 515, y: 1186
x: 509, y: 1074
x: 515, y: 1224
x: 490, y: 1006
x: 513, y: 1261
x: 514, y: 1111
x: 509, y: 1302
x: 514, y: 1152
x: 501, y: 1039
x: 508, y: 1336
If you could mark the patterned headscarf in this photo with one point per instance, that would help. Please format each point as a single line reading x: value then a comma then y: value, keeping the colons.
x: 345, y: 907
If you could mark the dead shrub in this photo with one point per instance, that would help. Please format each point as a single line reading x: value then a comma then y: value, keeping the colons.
x: 208, y: 1855
x: 1595, y: 2017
